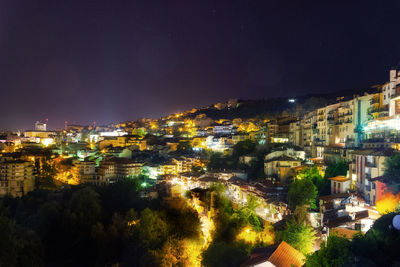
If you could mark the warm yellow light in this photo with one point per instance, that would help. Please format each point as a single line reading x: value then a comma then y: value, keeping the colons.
x: 249, y: 235
x: 387, y: 203
x: 47, y: 141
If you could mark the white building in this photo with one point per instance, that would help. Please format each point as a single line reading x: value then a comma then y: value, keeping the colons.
x: 389, y: 88
x: 40, y: 126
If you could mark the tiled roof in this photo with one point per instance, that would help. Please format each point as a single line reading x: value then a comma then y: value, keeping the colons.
x: 343, y: 232
x: 286, y: 256
x: 339, y: 179
x: 335, y: 196
x: 282, y: 158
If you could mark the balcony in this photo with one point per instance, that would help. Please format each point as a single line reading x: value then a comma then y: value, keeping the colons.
x: 382, y: 140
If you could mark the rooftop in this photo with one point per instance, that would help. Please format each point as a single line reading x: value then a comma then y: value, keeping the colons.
x: 282, y: 158
x: 285, y: 256
x: 339, y: 179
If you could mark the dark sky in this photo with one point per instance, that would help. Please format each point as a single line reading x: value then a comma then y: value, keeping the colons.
x: 116, y: 60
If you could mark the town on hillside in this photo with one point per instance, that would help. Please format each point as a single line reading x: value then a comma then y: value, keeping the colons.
x: 328, y: 166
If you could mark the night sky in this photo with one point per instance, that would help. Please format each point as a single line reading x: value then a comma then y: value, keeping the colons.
x: 115, y: 60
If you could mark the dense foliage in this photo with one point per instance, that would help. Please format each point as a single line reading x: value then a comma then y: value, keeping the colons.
x: 378, y: 247
x: 335, y: 252
x: 97, y: 226
x: 230, y: 247
x: 302, y: 192
x: 254, y: 170
x: 392, y: 171
x: 337, y: 169
x: 298, y: 232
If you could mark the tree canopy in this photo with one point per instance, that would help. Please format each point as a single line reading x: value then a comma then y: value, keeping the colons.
x: 302, y: 192
x: 392, y: 165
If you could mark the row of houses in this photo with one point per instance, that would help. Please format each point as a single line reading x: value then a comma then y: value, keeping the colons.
x: 112, y: 169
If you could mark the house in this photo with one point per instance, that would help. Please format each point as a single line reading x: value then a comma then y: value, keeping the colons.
x: 283, y: 256
x: 281, y: 167
x: 340, y: 184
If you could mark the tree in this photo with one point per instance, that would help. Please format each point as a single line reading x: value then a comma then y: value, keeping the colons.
x: 335, y: 252
x: 85, y: 203
x: 302, y: 192
x: 216, y: 162
x: 197, y: 170
x: 312, y: 174
x: 392, y: 171
x: 380, y: 244
x: 18, y: 246
x: 299, y: 236
x: 243, y: 148
x: 152, y: 229
x: 184, y: 147
x: 336, y: 169
x: 222, y: 254
x: 182, y: 218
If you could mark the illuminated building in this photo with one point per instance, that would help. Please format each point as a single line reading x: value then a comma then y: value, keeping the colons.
x: 168, y: 168
x: 185, y: 164
x: 280, y: 167
x: 118, y: 168
x: 40, y: 126
x: 389, y: 88
x: 239, y: 137
x: 123, y: 141
x: 340, y: 184
x: 377, y: 109
x: 325, y: 125
x: 289, y: 152
x: 16, y: 177
x: 39, y: 134
x: 199, y: 143
x: 219, y: 144
x: 85, y: 172
x: 309, y: 124
x: 366, y: 165
x: 113, y: 133
x: 295, y: 133
x: 224, y: 129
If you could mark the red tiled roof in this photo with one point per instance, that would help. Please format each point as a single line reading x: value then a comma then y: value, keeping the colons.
x: 343, y: 232
x: 339, y: 178
x: 286, y: 256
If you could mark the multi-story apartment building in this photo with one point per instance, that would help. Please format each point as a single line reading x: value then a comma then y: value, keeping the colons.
x: 16, y: 178
x: 85, y: 172
x: 272, y: 129
x: 296, y: 134
x: 309, y: 123
x: 352, y: 117
x: 389, y: 88
x: 118, y: 168
x: 224, y: 129
x: 384, y: 132
x: 326, y: 123
x: 366, y: 165
x: 185, y: 164
x: 377, y: 109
